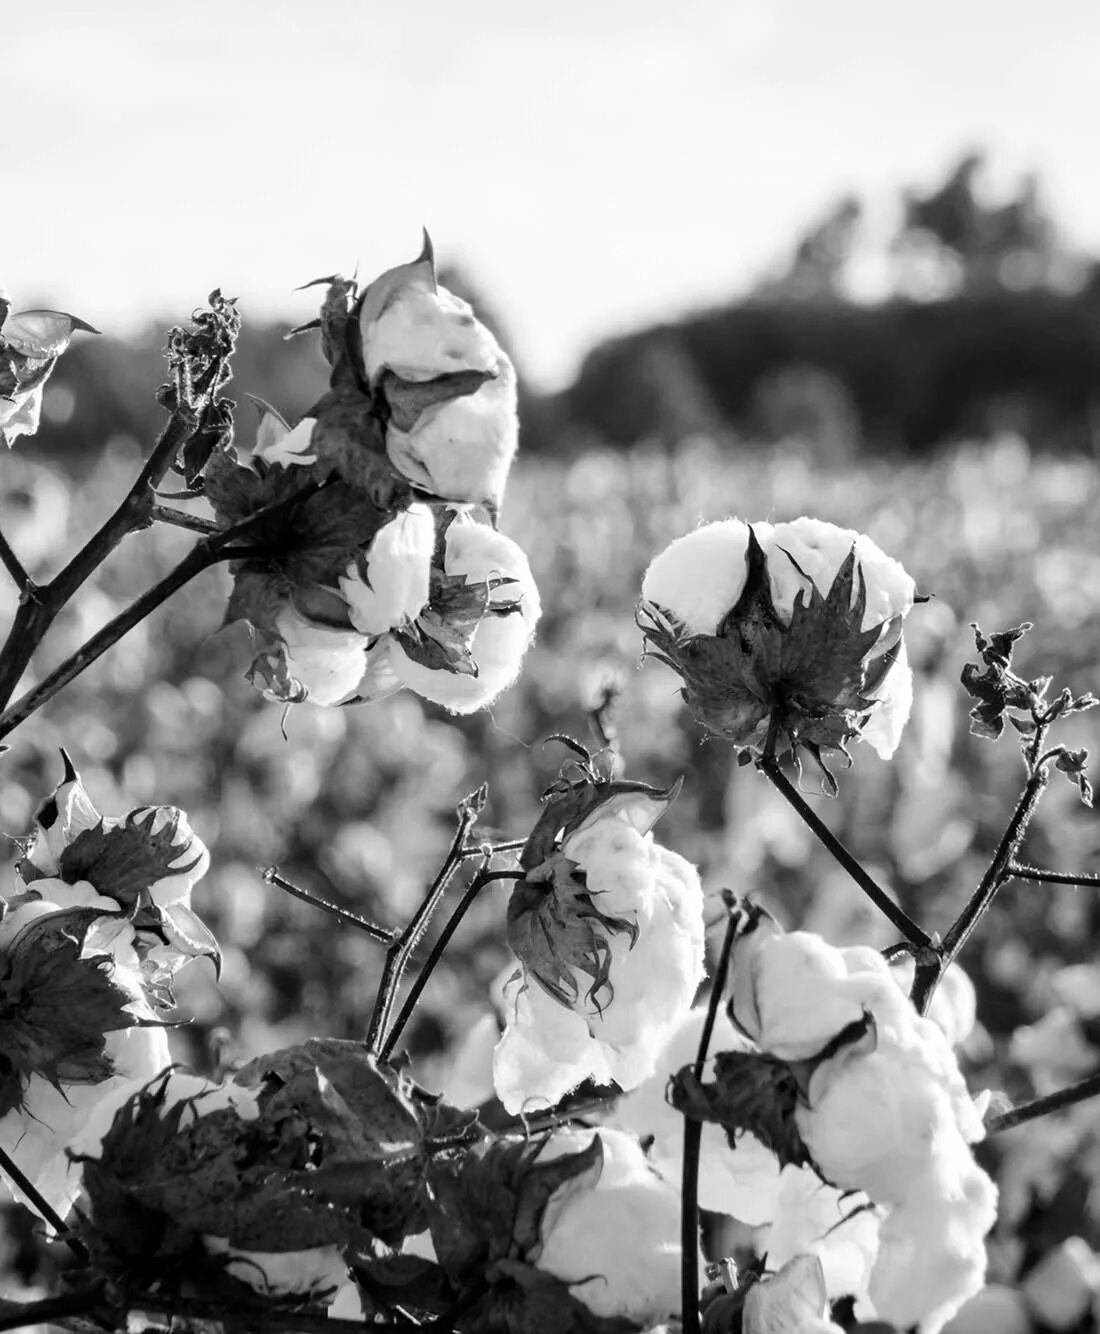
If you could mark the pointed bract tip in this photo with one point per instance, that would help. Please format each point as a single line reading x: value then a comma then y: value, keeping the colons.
x: 71, y: 775
x: 427, y: 250
x: 321, y: 282
x: 83, y: 326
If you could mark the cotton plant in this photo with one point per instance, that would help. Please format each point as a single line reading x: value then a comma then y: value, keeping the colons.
x: 811, y: 1092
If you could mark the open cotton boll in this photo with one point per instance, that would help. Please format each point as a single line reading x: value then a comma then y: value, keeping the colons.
x: 613, y: 1031
x: 326, y: 662
x: 617, y: 1243
x: 392, y: 586
x: 478, y: 554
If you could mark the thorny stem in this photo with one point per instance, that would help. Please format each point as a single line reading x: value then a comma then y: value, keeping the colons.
x: 398, y: 954
x: 1053, y: 1102
x: 770, y: 767
x: 42, y: 1206
x: 14, y: 566
x: 383, y: 935
x: 484, y: 877
x: 693, y: 1135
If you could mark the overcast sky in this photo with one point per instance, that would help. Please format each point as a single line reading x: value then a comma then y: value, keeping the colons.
x: 592, y: 163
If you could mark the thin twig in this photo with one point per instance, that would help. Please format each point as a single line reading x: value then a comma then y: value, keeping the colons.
x: 41, y: 1205
x: 398, y: 954
x: 1085, y: 1088
x: 197, y: 524
x: 464, y: 904
x: 1041, y: 874
x: 769, y: 766
x: 383, y: 935
x: 693, y: 1136
x: 15, y: 568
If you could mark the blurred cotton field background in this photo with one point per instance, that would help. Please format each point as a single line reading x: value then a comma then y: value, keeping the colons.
x: 720, y: 301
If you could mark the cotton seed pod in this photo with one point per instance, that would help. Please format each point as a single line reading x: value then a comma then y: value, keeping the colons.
x: 449, y: 387
x: 483, y: 608
x: 784, y: 635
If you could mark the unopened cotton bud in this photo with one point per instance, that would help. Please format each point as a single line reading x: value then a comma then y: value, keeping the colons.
x: 390, y: 586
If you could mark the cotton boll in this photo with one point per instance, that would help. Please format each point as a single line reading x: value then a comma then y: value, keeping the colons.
x: 549, y: 1048
x: 479, y: 554
x: 393, y: 586
x: 617, y: 1243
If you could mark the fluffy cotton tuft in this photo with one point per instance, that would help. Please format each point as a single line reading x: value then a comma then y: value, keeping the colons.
x: 392, y: 586
x: 617, y: 1243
